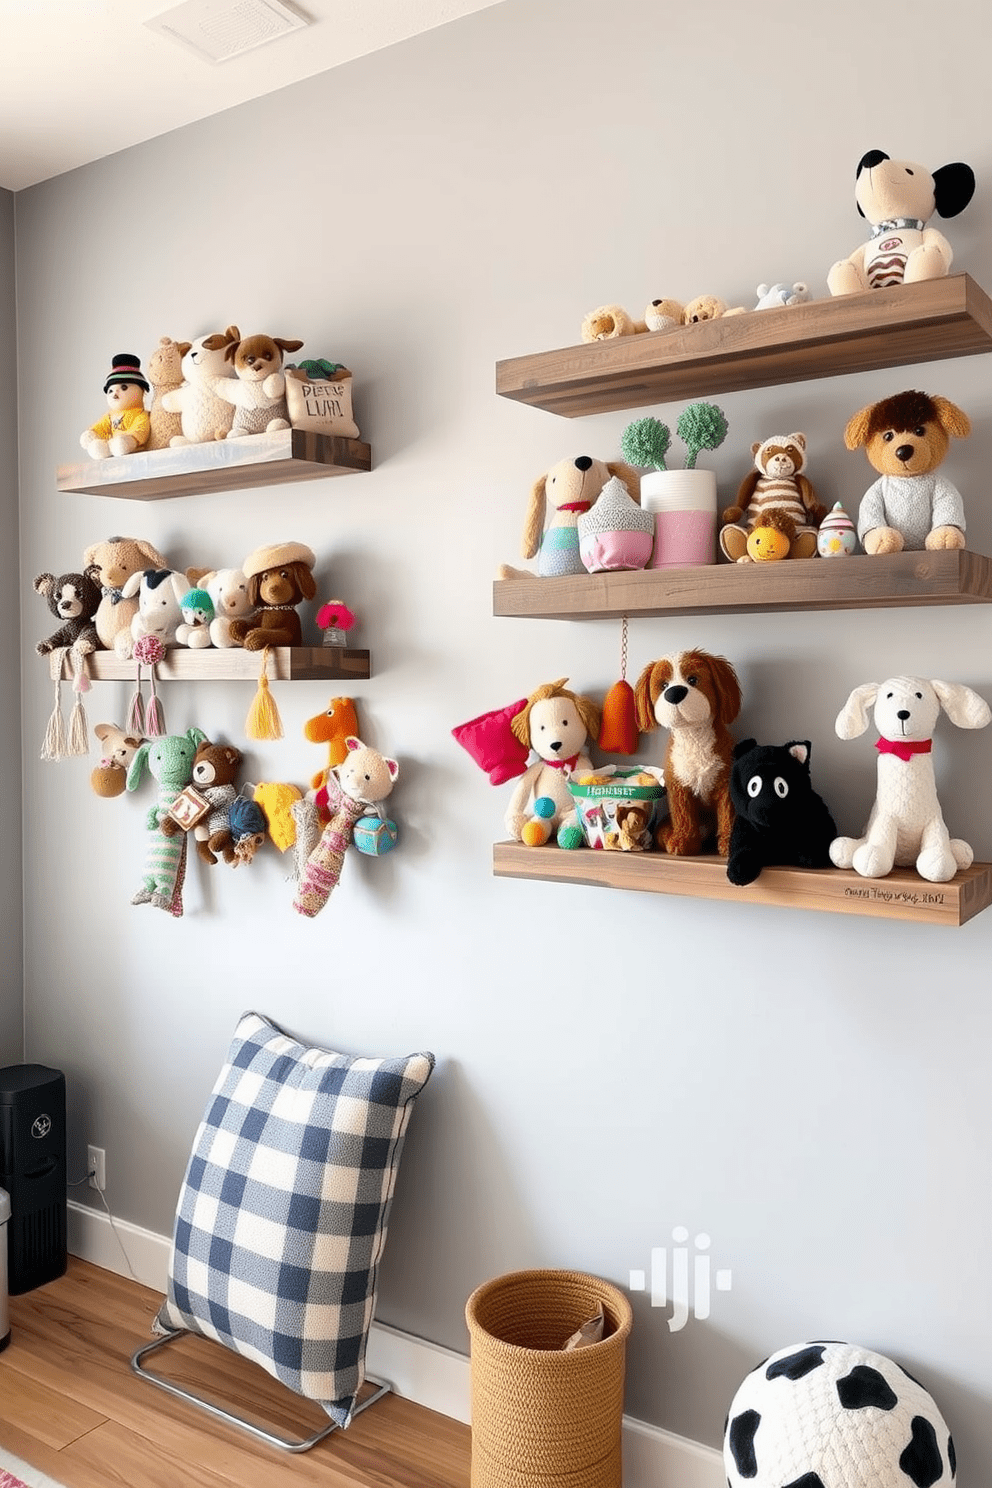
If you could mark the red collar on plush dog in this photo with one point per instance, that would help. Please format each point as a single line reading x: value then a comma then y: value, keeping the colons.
x: 579, y: 506
x: 904, y: 748
x: 562, y: 764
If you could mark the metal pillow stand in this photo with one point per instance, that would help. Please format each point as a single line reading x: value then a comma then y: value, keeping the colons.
x: 272, y: 1439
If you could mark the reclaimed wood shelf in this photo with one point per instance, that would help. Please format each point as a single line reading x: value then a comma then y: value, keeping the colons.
x: 902, y: 895
x: 222, y: 465
x: 908, y: 323
x: 286, y: 664
x: 855, y: 583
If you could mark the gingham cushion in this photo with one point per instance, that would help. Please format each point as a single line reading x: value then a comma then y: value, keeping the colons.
x: 282, y: 1215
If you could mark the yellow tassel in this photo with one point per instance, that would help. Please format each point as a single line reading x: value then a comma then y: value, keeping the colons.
x: 263, y: 721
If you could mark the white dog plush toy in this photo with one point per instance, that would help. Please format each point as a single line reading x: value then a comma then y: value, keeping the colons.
x: 906, y: 825
x: 898, y: 198
x: 555, y: 723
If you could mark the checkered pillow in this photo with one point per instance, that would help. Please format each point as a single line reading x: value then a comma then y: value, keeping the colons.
x: 283, y: 1211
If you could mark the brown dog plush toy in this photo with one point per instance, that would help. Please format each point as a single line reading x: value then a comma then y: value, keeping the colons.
x: 280, y: 576
x: 695, y: 696
x: 910, y: 506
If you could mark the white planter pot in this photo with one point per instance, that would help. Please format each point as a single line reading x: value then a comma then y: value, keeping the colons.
x: 684, y: 503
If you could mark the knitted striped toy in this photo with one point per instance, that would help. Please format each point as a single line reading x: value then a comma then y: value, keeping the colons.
x: 363, y: 779
x: 170, y: 761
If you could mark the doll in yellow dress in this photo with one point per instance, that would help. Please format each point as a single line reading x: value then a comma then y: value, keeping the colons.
x: 126, y: 425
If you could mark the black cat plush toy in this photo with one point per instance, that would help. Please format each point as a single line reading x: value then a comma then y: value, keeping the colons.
x: 780, y: 821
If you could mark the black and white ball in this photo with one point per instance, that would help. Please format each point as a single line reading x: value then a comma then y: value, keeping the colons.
x: 832, y: 1415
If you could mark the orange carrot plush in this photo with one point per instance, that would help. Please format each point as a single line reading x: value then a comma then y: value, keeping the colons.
x: 618, y: 731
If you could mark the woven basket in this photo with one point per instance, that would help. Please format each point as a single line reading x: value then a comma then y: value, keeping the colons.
x: 542, y: 1418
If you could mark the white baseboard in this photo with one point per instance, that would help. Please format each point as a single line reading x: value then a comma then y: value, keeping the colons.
x: 435, y: 1377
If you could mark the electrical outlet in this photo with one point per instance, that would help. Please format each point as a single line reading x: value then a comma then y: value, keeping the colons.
x: 96, y: 1165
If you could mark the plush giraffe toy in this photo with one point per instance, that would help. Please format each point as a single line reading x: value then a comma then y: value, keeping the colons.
x: 360, y: 782
x: 169, y: 760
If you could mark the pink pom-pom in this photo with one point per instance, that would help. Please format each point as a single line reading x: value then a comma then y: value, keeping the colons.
x: 334, y: 615
x: 148, y: 650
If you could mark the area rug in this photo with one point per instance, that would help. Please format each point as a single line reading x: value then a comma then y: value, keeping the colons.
x: 17, y: 1474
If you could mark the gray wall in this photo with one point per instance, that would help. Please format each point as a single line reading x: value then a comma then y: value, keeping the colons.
x: 12, y: 970
x: 809, y: 1090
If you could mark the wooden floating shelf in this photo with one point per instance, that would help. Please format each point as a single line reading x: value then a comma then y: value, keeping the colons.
x: 223, y: 465
x: 286, y: 664
x: 855, y: 583
x: 903, y: 895
x: 894, y: 327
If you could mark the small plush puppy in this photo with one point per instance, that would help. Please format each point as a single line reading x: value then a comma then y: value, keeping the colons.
x: 556, y: 724
x: 779, y: 820
x: 258, y: 389
x: 280, y: 576
x: 695, y: 696
x: 910, y: 506
x: 568, y: 489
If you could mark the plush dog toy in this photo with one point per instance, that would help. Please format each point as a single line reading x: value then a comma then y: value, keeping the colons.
x: 779, y: 820
x: 911, y: 506
x: 556, y: 724
x: 776, y: 483
x: 204, y: 415
x: 569, y: 489
x: 898, y: 198
x: 117, y: 750
x: 228, y: 592
x: 258, y: 388
x: 280, y: 576
x: 663, y: 315
x: 160, y: 593
x: 73, y: 598
x: 708, y: 307
x: 695, y: 696
x: 608, y: 322
x: 125, y: 427
x: 906, y: 825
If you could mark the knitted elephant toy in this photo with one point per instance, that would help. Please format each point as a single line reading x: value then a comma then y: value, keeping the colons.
x: 169, y: 760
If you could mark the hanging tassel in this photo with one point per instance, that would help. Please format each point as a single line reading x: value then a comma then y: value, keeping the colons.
x: 134, y: 723
x: 618, y: 729
x: 53, y: 745
x: 78, y: 742
x: 148, y: 651
x: 155, y: 714
x: 263, y: 721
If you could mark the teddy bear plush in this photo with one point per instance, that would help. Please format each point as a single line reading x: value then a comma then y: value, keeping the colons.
x: 911, y: 505
x: 204, y: 415
x: 569, y: 489
x: 775, y: 296
x: 608, y: 322
x: 257, y: 391
x: 280, y: 576
x: 73, y: 598
x: 776, y: 483
x: 708, y: 307
x: 898, y: 198
x: 166, y: 376
x: 110, y: 564
x: 779, y: 820
x: 228, y: 591
x: 357, y: 787
x: 556, y: 724
x: 125, y: 427
x: 663, y: 315
x: 215, y: 769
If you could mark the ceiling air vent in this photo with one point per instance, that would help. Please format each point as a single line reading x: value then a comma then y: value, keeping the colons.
x: 218, y: 30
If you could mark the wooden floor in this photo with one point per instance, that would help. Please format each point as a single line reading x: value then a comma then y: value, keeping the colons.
x: 70, y: 1406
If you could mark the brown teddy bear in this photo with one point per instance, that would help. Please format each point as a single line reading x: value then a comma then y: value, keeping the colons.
x: 74, y: 599
x: 215, y: 767
x: 110, y: 564
x: 911, y: 505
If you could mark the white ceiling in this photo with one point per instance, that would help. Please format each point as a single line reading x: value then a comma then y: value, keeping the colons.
x: 80, y: 79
